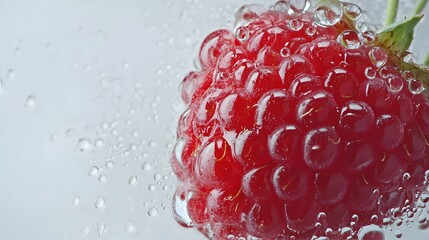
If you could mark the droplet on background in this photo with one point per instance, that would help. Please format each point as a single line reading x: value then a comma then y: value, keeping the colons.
x: 152, y: 212
x: 100, y: 203
x: 101, y: 229
x: 132, y: 181
x: 371, y: 232
x: 328, y: 15
x: 84, y: 145
x: 415, y: 86
x: 10, y: 74
x: 130, y: 227
x: 76, y: 200
x: 352, y: 11
x: 84, y: 231
x: 349, y: 39
x: 30, y: 102
x: 378, y: 56
x: 93, y: 171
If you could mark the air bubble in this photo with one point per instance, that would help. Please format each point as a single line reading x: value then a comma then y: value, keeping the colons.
x: 282, y: 6
x: 378, y: 56
x: 84, y: 145
x: 30, y: 102
x: 415, y: 86
x: 352, y: 11
x: 152, y: 212
x: 133, y: 180
x: 349, y: 39
x: 328, y: 15
x: 100, y: 203
x: 242, y: 33
x: 295, y: 24
x: 395, y: 84
x: 93, y: 171
x: 370, y: 72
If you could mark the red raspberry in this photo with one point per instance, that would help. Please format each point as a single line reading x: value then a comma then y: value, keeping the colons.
x: 295, y: 125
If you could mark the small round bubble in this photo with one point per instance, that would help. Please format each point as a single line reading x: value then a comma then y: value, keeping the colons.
x: 378, y: 56
x: 282, y: 6
x: 328, y: 15
x: 152, y: 212
x: 370, y: 72
x: 311, y: 30
x: 352, y: 11
x: 295, y: 24
x: 395, y: 84
x: 415, y: 86
x: 242, y: 33
x: 285, y: 52
x: 349, y: 39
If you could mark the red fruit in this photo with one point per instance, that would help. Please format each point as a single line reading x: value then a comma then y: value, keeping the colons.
x: 290, y: 128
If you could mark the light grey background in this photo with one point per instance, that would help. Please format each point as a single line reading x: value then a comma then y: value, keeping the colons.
x: 89, y: 102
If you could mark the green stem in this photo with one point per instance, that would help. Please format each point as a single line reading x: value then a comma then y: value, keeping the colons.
x: 420, y: 7
x: 392, y: 11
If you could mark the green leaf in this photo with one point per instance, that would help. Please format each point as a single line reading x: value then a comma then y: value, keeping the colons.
x: 397, y: 37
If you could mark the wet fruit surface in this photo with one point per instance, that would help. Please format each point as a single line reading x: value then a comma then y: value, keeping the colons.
x: 292, y: 116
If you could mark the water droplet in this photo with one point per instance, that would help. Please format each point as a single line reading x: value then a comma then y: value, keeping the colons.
x: 99, y: 142
x: 295, y: 24
x: 93, y: 170
x: 152, y: 212
x: 151, y: 187
x: 285, y: 52
x: 328, y: 15
x: 352, y: 11
x: 378, y: 56
x: 100, y: 203
x: 180, y: 211
x: 369, y: 36
x: 242, y: 33
x: 84, y: 145
x: 102, y: 178
x: 299, y: 6
x: 370, y: 232
x: 422, y: 219
x: 101, y: 229
x: 247, y: 14
x: 311, y: 30
x: 178, y: 149
x: 109, y: 164
x: 157, y: 176
x: 349, y: 39
x: 415, y: 86
x: 146, y: 166
x: 30, y: 102
x: 370, y: 72
x: 282, y: 6
x: 395, y: 84
x: 152, y: 144
x: 84, y: 231
x: 130, y: 227
x: 76, y: 200
x: 10, y: 74
x: 133, y: 180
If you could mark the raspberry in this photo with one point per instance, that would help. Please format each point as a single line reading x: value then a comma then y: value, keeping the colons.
x: 295, y: 125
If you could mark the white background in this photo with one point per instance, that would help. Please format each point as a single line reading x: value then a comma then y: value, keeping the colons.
x: 89, y: 103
